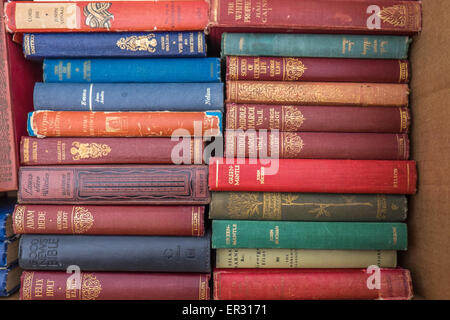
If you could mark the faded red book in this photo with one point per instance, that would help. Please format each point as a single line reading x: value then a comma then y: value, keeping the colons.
x: 317, y: 69
x: 316, y: 145
x: 312, y: 284
x: 85, y: 16
x: 313, y: 175
x: 49, y: 151
x: 109, y: 220
x: 59, y: 285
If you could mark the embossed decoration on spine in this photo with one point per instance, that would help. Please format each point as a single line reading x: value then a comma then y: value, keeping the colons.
x: 90, y: 287
x: 89, y: 150
x: 292, y: 118
x: 97, y: 15
x: 293, y: 69
x: 138, y: 43
x: 395, y: 15
x: 82, y: 220
x: 19, y: 219
x: 27, y: 283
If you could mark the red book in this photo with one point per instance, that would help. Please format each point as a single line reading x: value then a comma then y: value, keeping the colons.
x: 311, y: 284
x: 313, y: 175
x: 109, y: 220
x: 86, y: 16
x: 58, y: 285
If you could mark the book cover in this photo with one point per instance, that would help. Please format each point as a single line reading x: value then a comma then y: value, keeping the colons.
x: 6, y: 211
x: 9, y: 280
x: 9, y: 252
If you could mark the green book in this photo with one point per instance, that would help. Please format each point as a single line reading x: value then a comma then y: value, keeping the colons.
x: 315, y: 45
x: 309, y: 235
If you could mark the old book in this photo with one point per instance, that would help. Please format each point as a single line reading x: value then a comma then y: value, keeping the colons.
x: 115, y: 184
x: 318, y: 93
x: 313, y: 175
x: 301, y: 258
x: 115, y: 253
x: 307, y: 206
x: 312, y: 284
x: 9, y: 280
x: 59, y: 285
x: 6, y: 211
x: 309, y: 235
x: 291, y: 118
x: 9, y: 252
x: 109, y: 220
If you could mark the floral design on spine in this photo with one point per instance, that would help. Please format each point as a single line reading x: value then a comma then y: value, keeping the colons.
x: 89, y: 150
x: 138, y: 43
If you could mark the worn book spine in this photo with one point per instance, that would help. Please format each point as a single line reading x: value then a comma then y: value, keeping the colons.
x: 317, y: 69
x: 132, y: 70
x: 112, y: 44
x: 109, y: 220
x: 6, y: 231
x: 58, y: 285
x: 52, y: 151
x: 123, y: 124
x: 311, y: 284
x: 300, y: 258
x: 315, y: 45
x: 25, y: 16
x: 316, y: 145
x: 9, y: 250
x: 309, y: 235
x: 114, y: 184
x: 291, y: 118
x: 313, y: 175
x: 307, y: 206
x: 115, y: 253
x: 9, y: 280
x: 318, y: 93
x: 128, y: 96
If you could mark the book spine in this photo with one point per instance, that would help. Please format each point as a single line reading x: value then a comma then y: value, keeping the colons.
x: 311, y: 284
x: 9, y: 280
x: 53, y: 151
x: 299, y: 258
x: 114, y: 184
x: 318, y: 93
x: 123, y: 124
x: 313, y: 175
x: 290, y: 118
x: 115, y: 253
x: 109, y: 220
x: 307, y: 206
x: 316, y: 145
x: 132, y: 70
x: 315, y: 45
x: 102, y: 44
x: 317, y: 69
x: 9, y: 253
x: 57, y: 285
x: 309, y: 235
x: 89, y: 16
x: 128, y: 96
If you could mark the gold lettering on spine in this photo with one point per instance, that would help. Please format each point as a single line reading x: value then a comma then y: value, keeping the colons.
x: 196, y: 221
x: 403, y: 71
x: 402, y: 148
x: 404, y: 115
x: 271, y: 206
x: 233, y: 68
x: 26, y: 150
x: 395, y: 178
x: 394, y: 235
x: 19, y: 219
x: 202, y: 288
x: 34, y: 151
x: 231, y: 116
x: 200, y: 42
x: 27, y: 285
x: 381, y: 207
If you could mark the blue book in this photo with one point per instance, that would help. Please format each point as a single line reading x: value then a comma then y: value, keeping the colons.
x: 9, y: 280
x: 128, y: 96
x: 9, y: 252
x: 114, y: 44
x: 132, y: 70
x: 6, y: 210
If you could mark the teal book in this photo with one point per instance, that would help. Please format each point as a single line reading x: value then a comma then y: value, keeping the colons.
x: 315, y: 45
x: 309, y: 235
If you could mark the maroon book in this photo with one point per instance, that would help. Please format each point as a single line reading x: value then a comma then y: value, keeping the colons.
x: 316, y: 145
x: 317, y: 69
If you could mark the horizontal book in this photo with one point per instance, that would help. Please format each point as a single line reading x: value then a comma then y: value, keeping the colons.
x: 9, y: 280
x: 300, y: 258
x: 317, y: 69
x: 309, y: 235
x: 114, y: 44
x: 128, y: 96
x: 52, y: 151
x: 109, y: 220
x: 132, y: 70
x: 124, y: 124
x: 312, y: 284
x: 307, y: 206
x: 9, y: 250
x: 318, y: 93
x: 291, y: 118
x: 315, y: 45
x: 57, y: 285
x: 316, y: 145
x: 114, y: 184
x: 115, y: 253
x: 313, y: 175
x: 6, y: 210
x: 86, y: 16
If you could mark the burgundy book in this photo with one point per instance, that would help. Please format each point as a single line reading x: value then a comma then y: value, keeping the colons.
x: 109, y: 220
x: 49, y: 151
x: 317, y: 118
x: 59, y: 285
x: 317, y: 69
x: 114, y: 184
x: 316, y: 145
